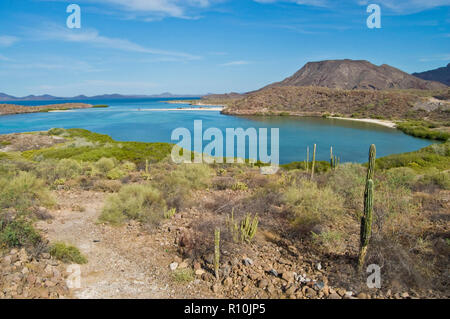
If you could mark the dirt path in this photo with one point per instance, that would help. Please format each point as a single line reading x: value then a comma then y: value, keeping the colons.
x: 123, y: 262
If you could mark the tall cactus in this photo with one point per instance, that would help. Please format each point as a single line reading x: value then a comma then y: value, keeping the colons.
x: 332, y: 163
x: 366, y: 219
x: 307, y: 159
x: 216, y: 252
x: 313, y: 162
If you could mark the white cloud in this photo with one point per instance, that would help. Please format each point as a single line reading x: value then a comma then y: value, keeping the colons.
x: 152, y: 10
x: 438, y: 57
x: 7, y: 40
x: 233, y: 63
x: 395, y: 6
x: 92, y: 36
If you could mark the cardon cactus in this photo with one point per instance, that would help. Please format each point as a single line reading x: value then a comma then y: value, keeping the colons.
x: 307, y: 159
x: 313, y: 162
x: 366, y: 219
x: 216, y: 252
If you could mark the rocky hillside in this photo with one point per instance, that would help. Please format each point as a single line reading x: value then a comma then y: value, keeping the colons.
x: 439, y: 75
x: 352, y: 74
x: 317, y: 101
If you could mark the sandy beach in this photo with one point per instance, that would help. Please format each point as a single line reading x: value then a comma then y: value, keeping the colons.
x: 385, y: 123
x: 186, y: 109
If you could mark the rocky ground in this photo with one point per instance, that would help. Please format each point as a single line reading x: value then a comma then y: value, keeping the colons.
x: 23, y: 275
x: 132, y: 261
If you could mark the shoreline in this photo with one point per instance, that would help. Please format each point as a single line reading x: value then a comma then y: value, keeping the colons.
x: 384, y: 123
x: 183, y: 109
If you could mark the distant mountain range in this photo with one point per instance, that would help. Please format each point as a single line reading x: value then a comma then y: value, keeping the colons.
x: 355, y: 74
x: 6, y: 97
x: 440, y: 75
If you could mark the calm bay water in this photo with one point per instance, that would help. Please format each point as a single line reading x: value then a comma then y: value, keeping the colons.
x: 128, y: 120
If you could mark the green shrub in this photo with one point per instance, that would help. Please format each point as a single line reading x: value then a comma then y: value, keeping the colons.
x: 23, y: 191
x: 67, y: 169
x: 67, y: 253
x: 176, y: 182
x: 401, y: 176
x: 311, y: 205
x: 104, y: 165
x: 115, y: 173
x: 239, y: 186
x: 348, y: 181
x: 435, y: 155
x: 128, y: 166
x: 331, y: 241
x: 184, y: 275
x: 87, y: 146
x: 17, y: 233
x: 422, y: 129
x: 434, y: 178
x: 140, y: 202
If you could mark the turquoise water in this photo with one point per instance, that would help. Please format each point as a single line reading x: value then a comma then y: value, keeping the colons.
x: 127, y: 120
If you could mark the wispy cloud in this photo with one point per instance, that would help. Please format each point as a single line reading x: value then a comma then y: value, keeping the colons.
x: 394, y: 6
x: 152, y: 10
x: 234, y: 63
x: 4, y: 58
x: 93, y: 37
x: 8, y: 40
x: 437, y: 57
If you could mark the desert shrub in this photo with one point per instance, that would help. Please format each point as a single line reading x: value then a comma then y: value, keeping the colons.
x: 177, y: 182
x: 115, y: 173
x: 140, y: 202
x: 168, y: 214
x: 24, y: 191
x: 239, y: 186
x: 348, y: 181
x: 67, y: 253
x: 433, y: 179
x: 319, y: 166
x: 109, y: 186
x: 422, y: 129
x: 67, y: 168
x: 184, y: 275
x: 223, y: 182
x: 87, y: 146
x: 128, y: 166
x: 104, y: 165
x: 330, y: 241
x: 435, y: 155
x: 311, y: 205
x: 401, y: 176
x: 17, y: 233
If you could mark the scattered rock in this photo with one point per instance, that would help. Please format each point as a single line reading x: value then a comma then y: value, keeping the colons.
x: 173, y: 266
x: 289, y: 276
x: 199, y: 272
x: 248, y: 262
x: 273, y: 272
x: 263, y: 283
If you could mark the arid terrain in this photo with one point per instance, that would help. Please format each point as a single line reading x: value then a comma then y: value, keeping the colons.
x: 146, y: 229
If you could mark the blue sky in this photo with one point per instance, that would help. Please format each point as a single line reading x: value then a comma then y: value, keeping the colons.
x: 201, y: 46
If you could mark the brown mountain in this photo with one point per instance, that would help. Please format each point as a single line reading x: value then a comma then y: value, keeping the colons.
x: 355, y: 74
x: 440, y: 75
